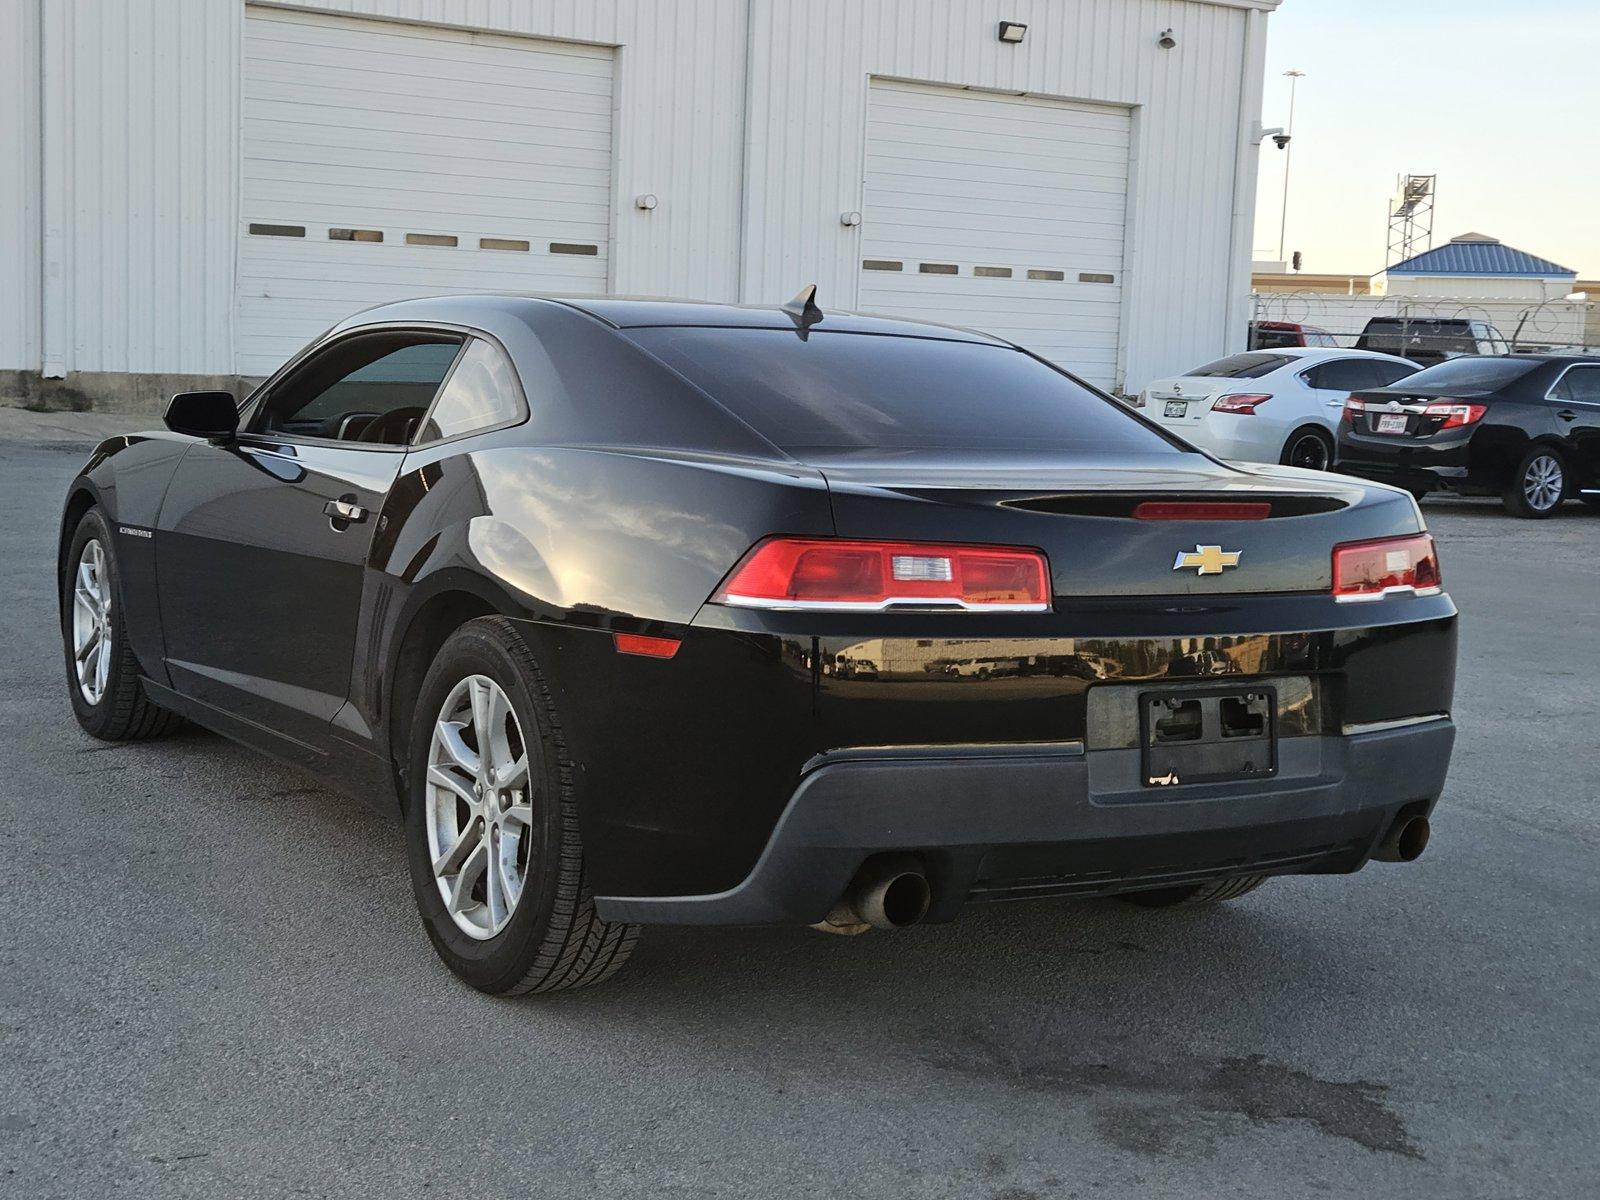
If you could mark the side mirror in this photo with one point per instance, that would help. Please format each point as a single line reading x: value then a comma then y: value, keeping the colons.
x: 212, y: 415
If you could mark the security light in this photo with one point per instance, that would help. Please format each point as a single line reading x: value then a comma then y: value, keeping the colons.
x: 1166, y: 41
x: 1011, y: 32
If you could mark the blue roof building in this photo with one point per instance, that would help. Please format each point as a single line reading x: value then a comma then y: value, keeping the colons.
x: 1477, y: 256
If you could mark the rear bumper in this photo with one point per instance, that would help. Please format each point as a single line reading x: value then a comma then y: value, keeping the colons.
x: 1006, y: 822
x: 1443, y: 462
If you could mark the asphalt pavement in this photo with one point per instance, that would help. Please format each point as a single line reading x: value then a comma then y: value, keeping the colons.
x: 213, y: 982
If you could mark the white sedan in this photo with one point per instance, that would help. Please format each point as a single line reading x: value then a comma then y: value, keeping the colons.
x: 1273, y: 406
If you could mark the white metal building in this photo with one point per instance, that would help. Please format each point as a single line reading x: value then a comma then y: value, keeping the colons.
x: 196, y: 187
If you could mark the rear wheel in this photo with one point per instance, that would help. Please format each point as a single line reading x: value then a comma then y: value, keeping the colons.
x: 491, y: 824
x: 1308, y: 447
x: 1192, y: 894
x: 1538, y: 485
x: 108, y: 697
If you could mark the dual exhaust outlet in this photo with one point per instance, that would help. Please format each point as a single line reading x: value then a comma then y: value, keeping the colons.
x: 887, y: 893
x: 893, y: 892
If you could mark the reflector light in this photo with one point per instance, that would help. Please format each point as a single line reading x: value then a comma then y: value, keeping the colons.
x: 1176, y: 510
x: 1243, y: 403
x: 1456, y: 415
x: 643, y: 644
x: 1373, y: 570
x: 856, y: 576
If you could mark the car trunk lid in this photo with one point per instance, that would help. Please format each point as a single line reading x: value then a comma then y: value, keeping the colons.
x: 1080, y: 510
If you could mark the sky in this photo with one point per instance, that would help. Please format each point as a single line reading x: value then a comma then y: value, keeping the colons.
x: 1500, y: 99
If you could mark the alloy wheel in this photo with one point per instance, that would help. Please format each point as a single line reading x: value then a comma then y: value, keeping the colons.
x: 91, y: 621
x: 479, y: 807
x: 1542, y: 482
x: 1309, y: 451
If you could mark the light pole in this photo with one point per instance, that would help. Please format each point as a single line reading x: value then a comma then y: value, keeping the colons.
x: 1288, y: 149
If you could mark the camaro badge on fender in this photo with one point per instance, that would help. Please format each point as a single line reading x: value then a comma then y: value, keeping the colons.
x: 1206, y: 560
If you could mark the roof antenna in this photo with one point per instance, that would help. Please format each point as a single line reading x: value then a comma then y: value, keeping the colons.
x: 803, y: 310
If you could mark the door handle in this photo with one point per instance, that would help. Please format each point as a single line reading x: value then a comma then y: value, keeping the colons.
x: 344, y: 510
x: 1566, y: 414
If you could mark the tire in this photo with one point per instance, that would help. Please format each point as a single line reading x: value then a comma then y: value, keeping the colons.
x: 1308, y: 447
x: 108, y: 695
x: 544, y: 935
x: 1534, y: 492
x: 1190, y: 895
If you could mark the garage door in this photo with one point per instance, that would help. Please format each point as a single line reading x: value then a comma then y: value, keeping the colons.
x: 383, y: 161
x: 1004, y: 213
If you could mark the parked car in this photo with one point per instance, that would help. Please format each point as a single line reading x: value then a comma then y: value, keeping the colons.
x: 1429, y: 340
x: 1274, y: 406
x: 1525, y: 427
x: 1276, y: 335
x: 559, y: 577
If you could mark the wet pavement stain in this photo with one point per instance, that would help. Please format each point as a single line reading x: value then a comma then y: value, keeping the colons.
x: 1171, y: 1105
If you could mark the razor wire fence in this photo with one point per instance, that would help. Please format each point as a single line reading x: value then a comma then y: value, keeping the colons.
x: 1537, y: 326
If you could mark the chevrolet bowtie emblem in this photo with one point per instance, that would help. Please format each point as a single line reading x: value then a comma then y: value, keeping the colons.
x: 1206, y: 560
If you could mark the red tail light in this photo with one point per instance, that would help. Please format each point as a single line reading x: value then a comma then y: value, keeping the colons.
x: 1456, y: 415
x: 849, y: 576
x: 1373, y: 570
x: 1244, y: 403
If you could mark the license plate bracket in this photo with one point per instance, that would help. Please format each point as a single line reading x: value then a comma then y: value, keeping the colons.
x: 1176, y: 408
x: 1208, y: 735
x: 1391, y: 423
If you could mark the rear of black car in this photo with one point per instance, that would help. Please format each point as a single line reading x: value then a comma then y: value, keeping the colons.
x: 1213, y: 673
x: 1461, y: 425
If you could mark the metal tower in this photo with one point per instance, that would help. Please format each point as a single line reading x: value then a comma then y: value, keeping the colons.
x: 1411, y: 218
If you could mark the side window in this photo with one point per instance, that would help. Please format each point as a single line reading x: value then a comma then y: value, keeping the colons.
x: 1581, y: 384
x: 1385, y: 373
x: 482, y: 392
x: 1340, y: 375
x: 372, y: 388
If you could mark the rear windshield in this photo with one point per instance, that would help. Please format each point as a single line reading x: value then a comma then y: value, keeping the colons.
x: 846, y: 390
x: 1242, y: 366
x: 1398, y: 335
x: 1471, y: 372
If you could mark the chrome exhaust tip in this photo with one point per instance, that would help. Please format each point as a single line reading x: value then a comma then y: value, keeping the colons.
x: 1406, y: 840
x: 887, y: 894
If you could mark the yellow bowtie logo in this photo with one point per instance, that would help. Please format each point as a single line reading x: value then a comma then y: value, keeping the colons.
x: 1206, y: 560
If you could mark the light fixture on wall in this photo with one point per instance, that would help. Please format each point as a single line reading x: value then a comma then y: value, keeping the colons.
x: 647, y: 201
x: 1166, y: 41
x: 849, y: 218
x: 1012, y: 32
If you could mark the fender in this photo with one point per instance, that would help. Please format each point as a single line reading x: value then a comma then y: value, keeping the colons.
x: 127, y: 477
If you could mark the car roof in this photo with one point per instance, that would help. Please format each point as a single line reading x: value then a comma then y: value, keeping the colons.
x: 1316, y: 352
x: 640, y: 312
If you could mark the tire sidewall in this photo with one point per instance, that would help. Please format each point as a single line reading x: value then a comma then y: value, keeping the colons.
x: 1517, y: 496
x: 95, y: 718
x: 496, y: 963
x: 1298, y: 436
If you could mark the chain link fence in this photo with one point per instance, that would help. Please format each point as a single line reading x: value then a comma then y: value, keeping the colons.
x: 1549, y: 325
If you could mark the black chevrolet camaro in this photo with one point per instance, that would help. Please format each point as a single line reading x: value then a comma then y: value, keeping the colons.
x: 656, y: 612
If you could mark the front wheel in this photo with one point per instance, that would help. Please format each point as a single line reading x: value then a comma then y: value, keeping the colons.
x: 1309, y: 448
x: 108, y: 697
x: 1538, y: 485
x: 491, y: 825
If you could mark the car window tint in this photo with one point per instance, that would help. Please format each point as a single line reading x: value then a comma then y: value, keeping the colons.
x: 1242, y: 366
x: 1273, y: 339
x: 1580, y: 383
x: 842, y: 390
x: 1385, y: 373
x: 371, y: 388
x: 482, y: 392
x: 1342, y: 375
x: 1474, y: 372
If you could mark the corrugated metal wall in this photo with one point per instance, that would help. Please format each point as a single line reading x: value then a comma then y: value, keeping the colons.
x: 142, y: 189
x: 803, y: 172
x: 19, y: 184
